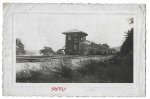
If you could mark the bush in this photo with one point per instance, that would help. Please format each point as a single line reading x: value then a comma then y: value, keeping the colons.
x: 127, y: 68
x: 127, y: 45
x: 96, y: 71
x: 47, y: 73
x: 118, y: 69
x: 28, y: 76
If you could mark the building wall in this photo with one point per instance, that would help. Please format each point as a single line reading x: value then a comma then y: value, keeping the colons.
x: 72, y: 43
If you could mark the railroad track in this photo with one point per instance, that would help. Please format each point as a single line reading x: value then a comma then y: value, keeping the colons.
x: 20, y: 59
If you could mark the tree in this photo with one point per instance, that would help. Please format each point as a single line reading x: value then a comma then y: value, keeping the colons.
x: 19, y: 47
x: 105, y: 45
x: 127, y: 45
x: 60, y: 51
x: 47, y: 51
x: 126, y: 61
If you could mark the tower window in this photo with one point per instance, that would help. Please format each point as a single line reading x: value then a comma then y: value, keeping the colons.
x: 84, y: 38
x: 69, y: 37
x: 75, y: 47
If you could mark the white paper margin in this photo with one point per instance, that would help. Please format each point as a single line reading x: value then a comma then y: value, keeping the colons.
x: 10, y: 88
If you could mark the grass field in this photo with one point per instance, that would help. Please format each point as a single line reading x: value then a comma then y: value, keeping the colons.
x: 69, y: 69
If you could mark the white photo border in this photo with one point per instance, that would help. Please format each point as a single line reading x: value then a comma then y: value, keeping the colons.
x: 11, y: 88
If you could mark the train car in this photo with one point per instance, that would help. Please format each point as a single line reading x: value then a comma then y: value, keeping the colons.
x: 90, y: 48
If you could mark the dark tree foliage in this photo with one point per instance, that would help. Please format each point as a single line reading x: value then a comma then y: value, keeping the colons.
x: 60, y: 51
x: 125, y: 58
x: 105, y: 45
x: 47, y: 51
x: 19, y: 47
x: 127, y: 46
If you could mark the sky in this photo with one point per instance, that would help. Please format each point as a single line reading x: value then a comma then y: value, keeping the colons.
x: 39, y: 30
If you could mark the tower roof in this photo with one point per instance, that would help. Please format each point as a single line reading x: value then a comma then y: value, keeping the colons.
x: 75, y: 31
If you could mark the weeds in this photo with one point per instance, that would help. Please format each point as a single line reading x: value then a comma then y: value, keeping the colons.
x: 118, y: 69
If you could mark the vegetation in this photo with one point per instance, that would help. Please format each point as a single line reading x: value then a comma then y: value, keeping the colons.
x: 118, y: 69
x: 47, y: 73
x: 60, y: 52
x: 127, y: 46
x: 47, y: 51
x: 126, y: 56
x: 90, y: 71
x: 105, y: 45
x: 19, y: 47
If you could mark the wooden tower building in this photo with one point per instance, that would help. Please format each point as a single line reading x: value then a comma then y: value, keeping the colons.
x: 73, y: 38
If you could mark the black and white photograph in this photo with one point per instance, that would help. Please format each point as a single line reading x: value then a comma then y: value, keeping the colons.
x: 76, y: 44
x: 74, y: 48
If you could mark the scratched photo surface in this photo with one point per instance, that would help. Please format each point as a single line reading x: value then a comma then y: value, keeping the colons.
x: 73, y: 47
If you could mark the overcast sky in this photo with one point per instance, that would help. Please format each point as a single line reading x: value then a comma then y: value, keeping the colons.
x: 39, y: 30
